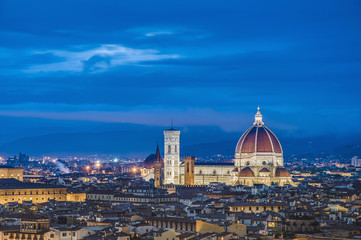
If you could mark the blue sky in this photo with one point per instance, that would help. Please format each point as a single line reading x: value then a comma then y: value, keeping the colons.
x: 202, y: 63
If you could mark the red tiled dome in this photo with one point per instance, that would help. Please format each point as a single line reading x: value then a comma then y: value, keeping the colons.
x: 152, y: 158
x: 258, y: 138
x: 149, y: 161
x: 282, y: 172
x: 246, y: 172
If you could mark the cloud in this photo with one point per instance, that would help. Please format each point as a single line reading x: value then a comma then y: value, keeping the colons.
x: 98, y: 59
x: 154, y: 34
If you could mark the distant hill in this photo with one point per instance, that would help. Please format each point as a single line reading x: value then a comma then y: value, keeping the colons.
x: 135, y: 142
x: 328, y: 144
x: 106, y: 142
x: 349, y: 150
x: 142, y: 142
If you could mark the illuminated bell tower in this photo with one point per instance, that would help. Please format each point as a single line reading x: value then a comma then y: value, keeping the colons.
x: 171, y: 156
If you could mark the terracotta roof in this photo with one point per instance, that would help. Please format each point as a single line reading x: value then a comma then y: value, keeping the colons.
x: 282, y: 172
x: 258, y: 139
x: 246, y: 172
x: 152, y: 158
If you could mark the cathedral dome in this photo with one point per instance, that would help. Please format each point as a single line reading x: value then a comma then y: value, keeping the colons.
x: 282, y: 172
x: 149, y: 161
x: 258, y: 138
x: 152, y: 158
x: 246, y: 172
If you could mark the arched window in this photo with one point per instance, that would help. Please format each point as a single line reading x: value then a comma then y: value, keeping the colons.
x: 187, y: 166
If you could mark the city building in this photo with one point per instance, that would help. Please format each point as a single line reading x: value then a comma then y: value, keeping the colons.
x: 12, y: 190
x: 12, y: 172
x: 356, y: 161
x: 258, y: 159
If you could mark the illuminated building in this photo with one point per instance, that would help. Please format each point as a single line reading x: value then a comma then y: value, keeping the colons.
x: 11, y: 172
x: 258, y: 160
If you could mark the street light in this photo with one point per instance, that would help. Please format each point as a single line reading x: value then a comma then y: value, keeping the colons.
x: 98, y: 166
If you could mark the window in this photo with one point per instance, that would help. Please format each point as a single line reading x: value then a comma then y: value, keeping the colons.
x: 169, y: 148
x: 52, y: 235
x: 176, y: 148
x: 64, y: 234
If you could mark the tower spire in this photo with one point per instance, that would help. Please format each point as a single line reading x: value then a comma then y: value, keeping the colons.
x: 157, y: 154
x: 157, y: 169
x: 258, y: 118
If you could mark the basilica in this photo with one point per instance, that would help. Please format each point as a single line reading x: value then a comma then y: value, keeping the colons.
x: 258, y: 159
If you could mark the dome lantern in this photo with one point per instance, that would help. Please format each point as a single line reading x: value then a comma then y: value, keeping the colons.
x: 258, y: 118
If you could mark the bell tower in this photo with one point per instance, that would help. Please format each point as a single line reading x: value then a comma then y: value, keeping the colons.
x: 171, y: 156
x: 189, y: 171
x: 157, y: 169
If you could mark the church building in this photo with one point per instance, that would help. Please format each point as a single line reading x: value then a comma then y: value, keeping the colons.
x: 258, y: 159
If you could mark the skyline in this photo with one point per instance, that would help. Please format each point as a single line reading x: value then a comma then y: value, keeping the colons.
x: 105, y: 66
